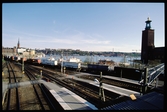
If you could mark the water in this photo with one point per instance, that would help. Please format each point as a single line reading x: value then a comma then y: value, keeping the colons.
x: 96, y: 58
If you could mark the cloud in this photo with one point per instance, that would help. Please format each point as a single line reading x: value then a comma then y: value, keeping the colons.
x: 72, y: 36
x: 65, y: 41
x: 69, y: 38
x: 95, y: 41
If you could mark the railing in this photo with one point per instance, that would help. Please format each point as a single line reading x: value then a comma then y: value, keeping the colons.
x: 149, y: 75
x: 153, y: 73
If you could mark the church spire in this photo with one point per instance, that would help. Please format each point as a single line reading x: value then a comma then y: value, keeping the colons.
x: 18, y: 44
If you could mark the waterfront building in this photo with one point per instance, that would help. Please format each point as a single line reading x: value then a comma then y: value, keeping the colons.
x: 148, y: 49
x: 9, y: 51
x: 17, y: 50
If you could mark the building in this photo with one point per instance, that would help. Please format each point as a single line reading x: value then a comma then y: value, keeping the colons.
x: 148, y: 50
x: 9, y: 51
x: 20, y: 50
x: 17, y: 51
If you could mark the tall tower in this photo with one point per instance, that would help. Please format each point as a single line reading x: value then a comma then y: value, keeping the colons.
x: 18, y: 44
x: 147, y: 42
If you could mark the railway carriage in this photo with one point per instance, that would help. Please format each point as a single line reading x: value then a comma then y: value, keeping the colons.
x: 96, y: 68
x: 33, y: 61
x: 71, y: 65
x: 49, y: 62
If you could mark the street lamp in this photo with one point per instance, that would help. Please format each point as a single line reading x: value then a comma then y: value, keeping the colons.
x: 101, y: 90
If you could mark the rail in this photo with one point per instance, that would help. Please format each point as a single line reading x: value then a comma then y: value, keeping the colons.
x: 152, y: 74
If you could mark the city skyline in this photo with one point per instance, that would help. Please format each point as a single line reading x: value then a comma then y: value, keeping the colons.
x: 85, y: 26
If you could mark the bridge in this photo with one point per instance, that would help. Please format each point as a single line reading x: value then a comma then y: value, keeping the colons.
x: 149, y: 75
x: 154, y: 73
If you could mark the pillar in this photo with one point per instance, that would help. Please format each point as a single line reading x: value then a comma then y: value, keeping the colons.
x: 144, y: 88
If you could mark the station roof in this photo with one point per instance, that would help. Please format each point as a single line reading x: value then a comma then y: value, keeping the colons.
x: 150, y: 101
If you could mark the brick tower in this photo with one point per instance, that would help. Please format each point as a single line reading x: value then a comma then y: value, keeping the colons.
x: 147, y: 43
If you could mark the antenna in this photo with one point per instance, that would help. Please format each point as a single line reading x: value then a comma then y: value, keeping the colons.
x: 148, y: 16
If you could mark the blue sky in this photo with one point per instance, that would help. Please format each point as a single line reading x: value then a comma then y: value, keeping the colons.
x: 88, y: 26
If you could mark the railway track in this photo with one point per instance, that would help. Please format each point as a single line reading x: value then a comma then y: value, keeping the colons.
x: 126, y: 85
x: 37, y: 91
x: 25, y: 98
x: 3, y: 65
x: 13, y: 94
x: 85, y: 90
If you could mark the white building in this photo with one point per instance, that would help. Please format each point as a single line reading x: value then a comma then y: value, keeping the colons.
x: 21, y: 50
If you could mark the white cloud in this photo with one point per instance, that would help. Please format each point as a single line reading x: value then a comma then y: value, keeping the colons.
x: 69, y: 38
x: 88, y: 41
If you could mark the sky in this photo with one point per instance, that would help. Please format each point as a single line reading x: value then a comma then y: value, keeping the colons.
x: 88, y: 26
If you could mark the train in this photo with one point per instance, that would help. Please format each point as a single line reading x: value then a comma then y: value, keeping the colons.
x: 49, y: 61
x: 14, y: 58
x: 96, y: 68
x: 72, y: 63
x: 33, y: 61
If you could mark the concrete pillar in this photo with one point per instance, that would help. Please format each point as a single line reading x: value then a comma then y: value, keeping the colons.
x: 144, y: 88
x: 100, y: 96
x: 103, y: 96
x: 101, y: 90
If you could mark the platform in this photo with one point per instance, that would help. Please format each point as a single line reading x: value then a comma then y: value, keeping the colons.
x: 122, y: 79
x: 112, y: 77
x: 67, y: 99
x: 115, y: 89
